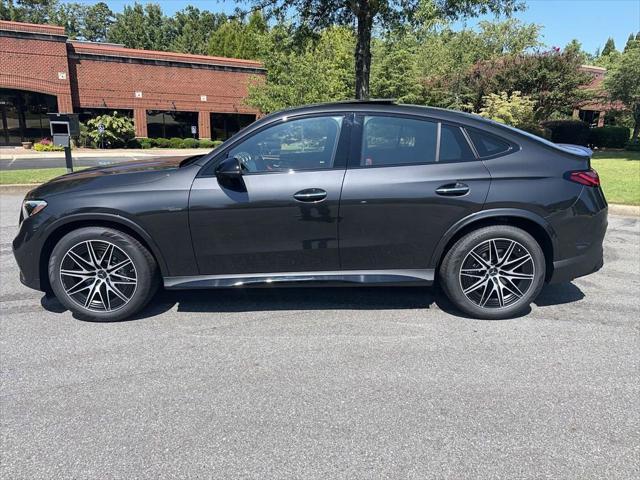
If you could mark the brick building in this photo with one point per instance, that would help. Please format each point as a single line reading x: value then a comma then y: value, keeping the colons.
x: 594, y: 109
x: 167, y: 94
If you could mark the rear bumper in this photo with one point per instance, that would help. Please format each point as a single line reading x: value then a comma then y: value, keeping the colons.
x: 581, y: 237
x: 579, y: 266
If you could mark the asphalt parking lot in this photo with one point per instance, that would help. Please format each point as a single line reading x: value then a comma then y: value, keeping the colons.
x: 325, y: 383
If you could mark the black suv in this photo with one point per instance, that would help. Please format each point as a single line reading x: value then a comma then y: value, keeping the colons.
x: 348, y: 193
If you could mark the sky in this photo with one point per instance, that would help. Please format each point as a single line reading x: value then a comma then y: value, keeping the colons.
x: 590, y: 21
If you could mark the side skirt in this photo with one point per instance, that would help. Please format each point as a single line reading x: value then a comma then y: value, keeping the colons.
x: 368, y: 277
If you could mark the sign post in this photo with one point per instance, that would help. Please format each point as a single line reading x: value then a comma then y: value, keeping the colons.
x: 63, y: 126
x: 101, y: 132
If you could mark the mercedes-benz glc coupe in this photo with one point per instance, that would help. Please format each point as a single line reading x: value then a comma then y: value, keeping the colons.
x: 369, y: 193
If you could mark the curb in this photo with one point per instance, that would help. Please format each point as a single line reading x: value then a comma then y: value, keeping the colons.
x: 625, y: 210
x: 614, y: 208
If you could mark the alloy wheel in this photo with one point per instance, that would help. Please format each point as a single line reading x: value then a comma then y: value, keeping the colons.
x: 98, y: 275
x: 497, y: 273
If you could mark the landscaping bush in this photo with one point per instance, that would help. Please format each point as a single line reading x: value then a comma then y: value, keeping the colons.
x: 46, y: 145
x: 217, y: 143
x: 146, y: 142
x: 568, y: 131
x: 118, y: 130
x: 609, y: 137
x: 175, y: 142
x: 190, y: 143
x: 160, y: 142
x: 633, y: 146
x: 206, y: 143
x: 134, y: 143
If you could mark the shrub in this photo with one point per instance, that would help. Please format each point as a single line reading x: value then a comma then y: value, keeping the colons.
x: 633, y: 146
x: 207, y: 143
x: 609, y: 137
x: 190, y: 143
x: 134, y: 143
x: 568, y: 131
x: 515, y: 109
x: 118, y: 130
x: 146, y: 142
x: 175, y: 142
x: 217, y: 143
x: 46, y: 145
x: 160, y: 142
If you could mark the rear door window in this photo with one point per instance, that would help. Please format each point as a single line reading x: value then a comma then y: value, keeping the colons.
x: 454, y: 146
x: 390, y: 141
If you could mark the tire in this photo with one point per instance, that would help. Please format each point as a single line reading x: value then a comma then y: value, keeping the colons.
x: 123, y: 283
x: 503, y: 281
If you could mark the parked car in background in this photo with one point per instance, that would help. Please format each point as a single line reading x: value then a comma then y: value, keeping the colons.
x: 370, y: 193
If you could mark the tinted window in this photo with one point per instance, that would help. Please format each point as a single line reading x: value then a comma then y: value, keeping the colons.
x: 304, y: 144
x: 397, y: 141
x: 454, y: 146
x: 486, y: 144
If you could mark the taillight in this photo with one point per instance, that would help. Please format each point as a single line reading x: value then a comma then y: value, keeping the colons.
x: 589, y: 178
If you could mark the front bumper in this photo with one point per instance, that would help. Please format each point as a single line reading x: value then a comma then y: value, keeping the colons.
x: 27, y: 250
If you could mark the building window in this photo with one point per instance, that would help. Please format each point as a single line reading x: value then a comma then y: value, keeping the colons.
x: 85, y: 114
x: 23, y: 116
x: 224, y: 125
x: 170, y: 124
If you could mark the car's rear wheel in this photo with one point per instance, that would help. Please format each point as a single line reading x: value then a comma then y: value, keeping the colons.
x: 493, y: 272
x: 102, y: 274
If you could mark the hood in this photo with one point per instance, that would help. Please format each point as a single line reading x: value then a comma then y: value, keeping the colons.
x: 120, y: 174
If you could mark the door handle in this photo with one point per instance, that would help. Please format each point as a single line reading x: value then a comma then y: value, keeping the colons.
x: 453, y: 189
x: 310, y: 195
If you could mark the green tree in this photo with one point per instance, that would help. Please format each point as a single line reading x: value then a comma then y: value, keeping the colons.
x: 98, y: 19
x: 609, y: 47
x: 319, y: 71
x: 551, y: 78
x: 192, y: 28
x: 71, y: 16
x: 365, y: 14
x: 239, y: 39
x: 623, y: 85
x: 508, y: 37
x: 575, y: 48
x: 143, y: 27
x: 394, y: 68
x: 31, y: 11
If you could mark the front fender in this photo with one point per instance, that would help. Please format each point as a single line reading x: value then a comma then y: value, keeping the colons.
x: 110, y: 218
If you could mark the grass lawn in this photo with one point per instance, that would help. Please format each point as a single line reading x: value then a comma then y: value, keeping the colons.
x: 35, y: 176
x: 619, y: 173
x: 620, y: 176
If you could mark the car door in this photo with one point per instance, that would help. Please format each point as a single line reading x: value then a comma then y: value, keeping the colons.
x: 409, y: 179
x: 283, y: 214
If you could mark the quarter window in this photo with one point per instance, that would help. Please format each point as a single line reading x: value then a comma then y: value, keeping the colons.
x: 486, y: 144
x: 302, y: 144
x: 388, y: 141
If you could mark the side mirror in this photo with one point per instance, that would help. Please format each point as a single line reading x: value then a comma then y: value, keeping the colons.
x: 229, y: 173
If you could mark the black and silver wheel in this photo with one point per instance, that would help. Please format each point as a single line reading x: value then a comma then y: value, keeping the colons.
x: 102, y: 274
x: 494, y: 272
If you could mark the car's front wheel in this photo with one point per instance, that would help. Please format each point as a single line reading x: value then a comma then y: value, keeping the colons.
x: 493, y: 272
x: 102, y: 274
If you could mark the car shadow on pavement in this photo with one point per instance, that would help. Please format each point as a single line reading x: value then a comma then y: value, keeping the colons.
x: 317, y: 298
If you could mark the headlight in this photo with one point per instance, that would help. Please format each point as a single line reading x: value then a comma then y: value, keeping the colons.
x: 31, y: 207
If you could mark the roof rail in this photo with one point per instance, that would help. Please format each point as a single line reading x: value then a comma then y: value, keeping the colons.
x: 370, y: 100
